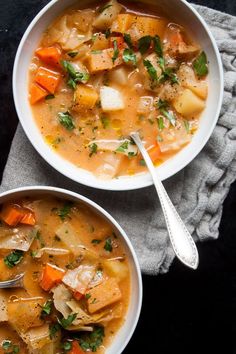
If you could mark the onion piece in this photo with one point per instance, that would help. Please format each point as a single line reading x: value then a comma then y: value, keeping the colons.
x: 51, y: 251
x: 79, y: 278
x: 19, y: 238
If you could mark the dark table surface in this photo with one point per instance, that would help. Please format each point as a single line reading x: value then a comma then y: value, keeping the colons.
x: 184, y: 311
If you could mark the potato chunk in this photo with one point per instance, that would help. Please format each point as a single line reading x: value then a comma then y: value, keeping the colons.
x: 188, y: 79
x: 144, y: 26
x: 119, y: 76
x: 100, y: 61
x: 111, y: 99
x: 122, y: 23
x: 85, y: 98
x: 16, y: 314
x: 108, y: 14
x: 188, y: 104
x: 103, y: 295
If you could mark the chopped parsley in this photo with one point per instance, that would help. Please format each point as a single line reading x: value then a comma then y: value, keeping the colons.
x: 144, y: 44
x: 72, y: 54
x: 108, y: 33
x: 92, y: 341
x: 87, y: 296
x: 105, y: 121
x: 151, y: 71
x: 200, y: 65
x: 74, y: 76
x: 9, y: 347
x: 160, y: 123
x: 96, y: 51
x: 38, y: 237
x: 128, y: 41
x: 116, y: 51
x: 163, y: 107
x: 67, y: 346
x: 53, y: 329
x: 142, y: 162
x: 108, y: 245
x: 129, y: 56
x: 46, y: 309
x: 103, y: 8
x: 13, y: 258
x: 66, y: 120
x: 187, y: 126
x: 124, y: 146
x: 158, y: 46
x: 66, y: 322
x: 93, y: 149
x: 64, y: 212
x: 49, y: 97
x: 96, y: 241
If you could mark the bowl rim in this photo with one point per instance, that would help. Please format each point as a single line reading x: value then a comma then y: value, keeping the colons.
x: 123, y: 234
x: 146, y: 181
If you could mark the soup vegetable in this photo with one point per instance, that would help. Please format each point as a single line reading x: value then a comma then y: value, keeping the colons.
x: 101, y: 73
x: 76, y: 282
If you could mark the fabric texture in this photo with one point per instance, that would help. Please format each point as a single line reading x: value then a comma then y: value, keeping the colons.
x: 198, y: 191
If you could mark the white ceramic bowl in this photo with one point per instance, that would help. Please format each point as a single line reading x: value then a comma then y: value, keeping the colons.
x: 181, y: 12
x: 125, y: 333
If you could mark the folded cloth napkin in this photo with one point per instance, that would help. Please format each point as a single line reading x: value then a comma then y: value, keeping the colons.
x: 198, y: 191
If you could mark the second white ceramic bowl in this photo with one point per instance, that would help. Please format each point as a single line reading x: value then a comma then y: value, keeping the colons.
x: 181, y: 12
x: 125, y: 333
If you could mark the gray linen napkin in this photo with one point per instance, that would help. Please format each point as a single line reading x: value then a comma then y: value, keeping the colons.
x: 198, y: 191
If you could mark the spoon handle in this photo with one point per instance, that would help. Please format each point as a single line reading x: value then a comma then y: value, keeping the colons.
x: 181, y: 240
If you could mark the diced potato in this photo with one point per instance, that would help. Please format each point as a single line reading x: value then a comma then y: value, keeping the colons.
x: 37, y: 338
x: 119, y: 76
x: 85, y: 98
x: 144, y: 26
x: 100, y: 42
x: 188, y: 104
x: 123, y: 23
x: 188, y: 79
x: 116, y: 269
x: 100, y: 61
x: 103, y: 295
x: 111, y: 99
x: 76, y: 39
x: 109, y: 166
x: 145, y: 104
x: 105, y: 19
x: 16, y: 314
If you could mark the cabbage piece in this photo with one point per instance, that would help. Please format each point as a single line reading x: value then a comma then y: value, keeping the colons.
x: 51, y: 251
x: 82, y: 20
x: 79, y: 278
x: 3, y: 306
x: 18, y: 238
x: 173, y: 138
x: 109, y: 167
x: 60, y: 297
x: 69, y: 236
x: 125, y: 146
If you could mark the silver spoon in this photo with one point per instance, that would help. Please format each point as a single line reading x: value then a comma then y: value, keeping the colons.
x: 181, y: 240
x: 17, y: 282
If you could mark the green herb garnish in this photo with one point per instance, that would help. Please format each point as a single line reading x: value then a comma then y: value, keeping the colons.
x: 67, y: 346
x: 49, y: 97
x: 142, y: 162
x: 87, y: 296
x: 105, y: 121
x: 160, y: 123
x: 74, y: 76
x: 13, y: 258
x: 124, y: 146
x: 92, y: 341
x: 144, y: 44
x: 64, y: 212
x: 96, y: 241
x: 151, y: 71
x: 66, y: 322
x: 108, y: 33
x: 53, y: 329
x: 96, y: 51
x: 116, y: 51
x: 47, y: 308
x: 72, y: 54
x: 103, y: 8
x: 66, y: 119
x: 187, y: 126
x: 38, y: 237
x: 129, y: 56
x: 10, y: 348
x: 163, y: 107
x: 93, y: 149
x: 200, y: 65
x: 158, y: 46
x: 108, y: 245
x: 128, y: 41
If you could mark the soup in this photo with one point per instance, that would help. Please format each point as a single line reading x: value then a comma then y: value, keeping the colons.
x: 76, y: 286
x: 101, y: 73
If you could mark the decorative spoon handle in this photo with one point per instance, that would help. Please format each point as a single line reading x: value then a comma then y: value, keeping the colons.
x: 182, y: 242
x: 17, y: 282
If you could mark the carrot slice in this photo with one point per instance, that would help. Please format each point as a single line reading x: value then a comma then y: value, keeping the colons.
x: 48, y: 79
x: 77, y: 295
x: 51, y: 276
x: 154, y: 152
x: 49, y: 55
x: 11, y: 214
x: 37, y: 93
x: 76, y: 349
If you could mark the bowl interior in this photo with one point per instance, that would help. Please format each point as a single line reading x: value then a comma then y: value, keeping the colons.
x: 124, y: 334
x: 182, y: 13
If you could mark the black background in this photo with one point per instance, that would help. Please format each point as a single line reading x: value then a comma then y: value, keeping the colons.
x: 184, y: 311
